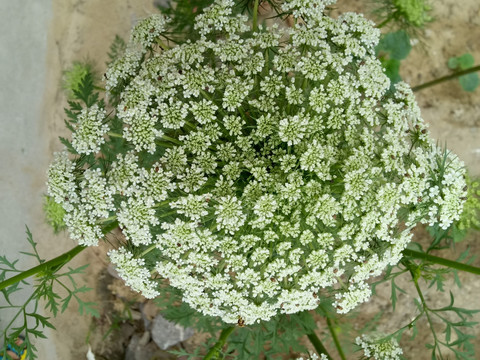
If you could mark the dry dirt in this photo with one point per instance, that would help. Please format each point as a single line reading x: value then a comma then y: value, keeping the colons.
x: 83, y: 30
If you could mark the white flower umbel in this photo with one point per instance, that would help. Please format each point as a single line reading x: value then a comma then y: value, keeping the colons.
x: 61, y: 181
x: 264, y: 169
x: 83, y: 228
x: 133, y: 271
x: 89, y: 130
x: 374, y: 346
x: 135, y: 217
x: 96, y: 198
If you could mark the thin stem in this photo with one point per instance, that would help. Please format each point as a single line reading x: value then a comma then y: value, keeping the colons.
x: 22, y: 309
x: 446, y: 78
x: 317, y: 344
x: 168, y: 138
x: 425, y: 308
x: 162, y: 44
x: 441, y: 261
x: 335, y: 339
x: 148, y: 249
x: 59, y: 261
x: 112, y: 134
x: 101, y: 221
x: 387, y: 20
x: 214, y: 351
x: 164, y: 137
x: 255, y: 15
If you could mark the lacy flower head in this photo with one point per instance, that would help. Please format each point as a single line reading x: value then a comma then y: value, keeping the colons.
x: 260, y: 169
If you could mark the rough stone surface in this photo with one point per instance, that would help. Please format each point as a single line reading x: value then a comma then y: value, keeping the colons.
x: 136, y: 348
x: 166, y: 333
x: 141, y: 348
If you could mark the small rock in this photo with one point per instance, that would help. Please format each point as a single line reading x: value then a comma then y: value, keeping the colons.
x: 149, y: 310
x: 141, y: 348
x: 166, y: 333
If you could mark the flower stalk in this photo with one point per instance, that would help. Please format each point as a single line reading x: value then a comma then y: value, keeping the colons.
x: 441, y: 261
x: 53, y: 264
x: 318, y: 345
x: 446, y: 78
x: 335, y: 339
x: 255, y: 15
x: 214, y: 351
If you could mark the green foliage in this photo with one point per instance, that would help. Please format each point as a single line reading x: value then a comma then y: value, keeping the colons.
x: 54, y: 214
x: 455, y: 320
x: 414, y: 12
x: 117, y: 49
x: 85, y: 90
x: 182, y: 13
x: 395, y: 44
x: 470, y: 218
x: 403, y: 14
x: 450, y: 325
x: 83, y: 96
x: 73, y: 77
x: 278, y: 336
x: 26, y: 320
x: 392, y: 48
x: 469, y: 82
x: 463, y: 62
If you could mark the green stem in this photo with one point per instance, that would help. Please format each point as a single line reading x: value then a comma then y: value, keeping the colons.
x: 162, y: 45
x: 424, y: 305
x: 446, y: 78
x: 147, y: 250
x: 387, y: 20
x: 101, y: 221
x: 57, y: 263
x: 317, y: 344
x: 164, y: 137
x: 335, y: 339
x: 214, y: 351
x: 112, y: 134
x: 168, y: 138
x: 255, y: 15
x: 22, y: 309
x: 441, y: 261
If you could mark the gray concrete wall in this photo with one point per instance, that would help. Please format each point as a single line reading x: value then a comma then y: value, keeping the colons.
x: 23, y: 145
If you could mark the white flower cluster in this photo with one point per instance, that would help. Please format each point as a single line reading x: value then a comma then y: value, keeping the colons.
x: 379, y: 350
x: 264, y: 168
x: 310, y: 9
x: 89, y: 130
x: 313, y: 356
x: 134, y: 272
x: 86, y: 198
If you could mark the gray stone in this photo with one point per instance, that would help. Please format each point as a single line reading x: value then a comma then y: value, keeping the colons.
x: 137, y: 349
x: 166, y: 333
x: 141, y: 348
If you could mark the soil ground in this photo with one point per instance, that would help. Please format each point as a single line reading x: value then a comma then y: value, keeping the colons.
x: 83, y: 30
